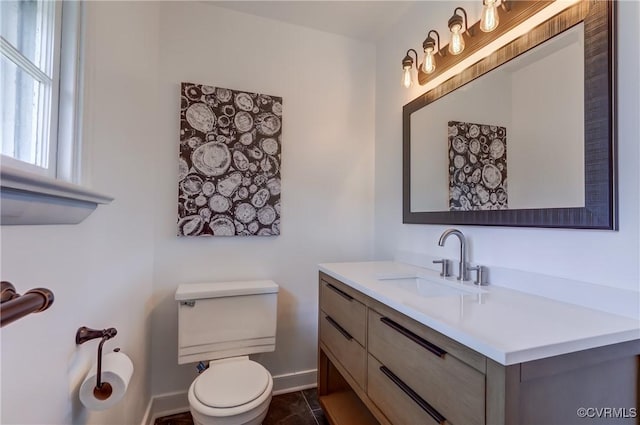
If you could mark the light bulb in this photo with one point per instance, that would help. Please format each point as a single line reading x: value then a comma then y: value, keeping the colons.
x: 456, y: 46
x: 406, y: 77
x: 429, y: 63
x: 490, y: 19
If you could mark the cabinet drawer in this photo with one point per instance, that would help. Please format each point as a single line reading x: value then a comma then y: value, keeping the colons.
x: 344, y: 348
x: 397, y: 401
x: 453, y: 388
x: 346, y: 310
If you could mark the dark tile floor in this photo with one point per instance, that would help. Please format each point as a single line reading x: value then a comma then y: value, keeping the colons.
x: 299, y: 408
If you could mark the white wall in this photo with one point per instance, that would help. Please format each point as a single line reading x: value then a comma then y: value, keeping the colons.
x: 602, y: 257
x: 100, y: 270
x: 327, y: 85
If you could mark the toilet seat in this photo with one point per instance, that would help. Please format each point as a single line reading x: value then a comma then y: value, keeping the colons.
x: 250, y: 407
x: 231, y: 383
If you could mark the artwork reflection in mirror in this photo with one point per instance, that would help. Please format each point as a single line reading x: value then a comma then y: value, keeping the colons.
x: 538, y: 100
x: 477, y: 166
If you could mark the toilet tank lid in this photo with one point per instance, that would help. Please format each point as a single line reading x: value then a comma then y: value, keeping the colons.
x: 194, y: 291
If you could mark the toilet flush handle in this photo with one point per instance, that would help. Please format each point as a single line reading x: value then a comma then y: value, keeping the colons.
x: 201, y: 367
x: 190, y: 303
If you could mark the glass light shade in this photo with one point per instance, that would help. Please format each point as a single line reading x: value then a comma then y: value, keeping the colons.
x: 489, y: 19
x: 456, y: 45
x: 429, y: 62
x: 407, y: 81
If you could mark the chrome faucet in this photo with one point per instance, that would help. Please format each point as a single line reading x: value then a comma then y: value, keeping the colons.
x: 462, y: 267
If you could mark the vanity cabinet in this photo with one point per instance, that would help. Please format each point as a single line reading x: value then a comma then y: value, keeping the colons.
x: 343, y: 329
x: 378, y: 366
x: 342, y: 334
x: 441, y: 386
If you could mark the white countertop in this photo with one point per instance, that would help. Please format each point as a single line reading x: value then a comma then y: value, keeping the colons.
x: 505, y: 325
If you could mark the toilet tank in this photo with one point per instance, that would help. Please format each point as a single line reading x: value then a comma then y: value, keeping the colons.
x: 226, y: 319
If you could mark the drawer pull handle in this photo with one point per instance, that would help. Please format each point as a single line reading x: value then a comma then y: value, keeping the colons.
x: 340, y: 329
x: 414, y: 396
x: 434, y: 349
x: 340, y: 292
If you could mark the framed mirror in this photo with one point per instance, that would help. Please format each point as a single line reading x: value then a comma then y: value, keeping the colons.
x: 524, y: 137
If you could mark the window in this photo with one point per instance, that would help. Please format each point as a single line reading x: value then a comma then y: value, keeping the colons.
x: 40, y: 108
x: 37, y: 77
x: 30, y: 56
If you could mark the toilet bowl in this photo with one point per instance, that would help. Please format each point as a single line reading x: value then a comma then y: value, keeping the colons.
x: 223, y: 323
x: 235, y: 391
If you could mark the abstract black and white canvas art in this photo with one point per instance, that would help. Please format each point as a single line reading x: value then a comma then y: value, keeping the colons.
x: 477, y: 166
x: 229, y: 162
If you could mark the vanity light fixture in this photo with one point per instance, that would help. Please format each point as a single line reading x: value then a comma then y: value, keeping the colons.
x: 407, y: 64
x: 429, y: 45
x: 456, y: 45
x: 499, y: 18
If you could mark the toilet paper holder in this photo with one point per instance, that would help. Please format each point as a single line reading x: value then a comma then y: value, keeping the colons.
x: 103, y: 390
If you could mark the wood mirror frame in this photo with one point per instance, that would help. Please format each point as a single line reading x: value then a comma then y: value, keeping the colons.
x: 600, y: 210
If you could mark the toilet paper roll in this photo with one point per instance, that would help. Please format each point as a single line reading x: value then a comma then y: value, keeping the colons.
x: 117, y: 370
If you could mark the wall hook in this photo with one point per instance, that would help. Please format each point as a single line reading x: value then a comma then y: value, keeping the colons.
x: 103, y: 390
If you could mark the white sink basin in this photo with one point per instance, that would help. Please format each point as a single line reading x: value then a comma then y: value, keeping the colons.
x: 428, y: 286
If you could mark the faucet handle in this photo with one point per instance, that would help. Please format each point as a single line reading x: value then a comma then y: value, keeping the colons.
x: 445, y: 271
x: 481, y: 275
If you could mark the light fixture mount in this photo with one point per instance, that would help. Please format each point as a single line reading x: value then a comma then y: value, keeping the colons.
x: 407, y: 64
x: 457, y: 20
x: 408, y: 61
x: 428, y: 65
x: 430, y: 42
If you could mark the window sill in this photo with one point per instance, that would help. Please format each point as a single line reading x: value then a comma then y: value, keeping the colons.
x: 26, y: 198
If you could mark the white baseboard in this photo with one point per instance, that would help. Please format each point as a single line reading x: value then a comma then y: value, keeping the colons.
x: 147, y: 413
x: 296, y: 381
x: 165, y: 405
x: 177, y: 402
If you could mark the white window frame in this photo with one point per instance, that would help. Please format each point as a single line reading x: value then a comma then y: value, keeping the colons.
x: 32, y: 194
x: 69, y: 97
x: 48, y: 115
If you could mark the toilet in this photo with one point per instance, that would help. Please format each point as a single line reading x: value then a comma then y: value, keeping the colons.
x: 222, y: 323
